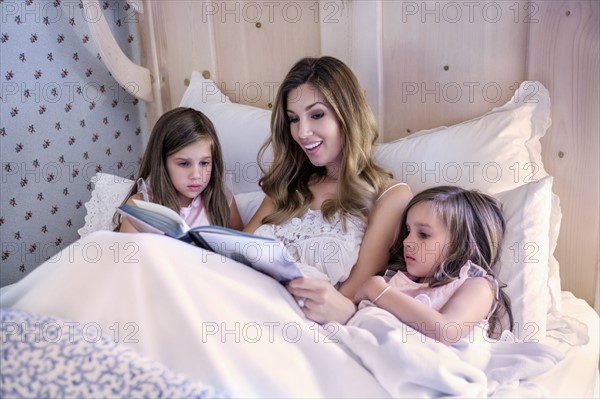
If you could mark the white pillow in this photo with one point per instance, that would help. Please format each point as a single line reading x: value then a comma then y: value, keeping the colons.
x: 496, y: 152
x: 108, y: 193
x: 524, y: 255
x: 248, y: 203
x: 554, y: 286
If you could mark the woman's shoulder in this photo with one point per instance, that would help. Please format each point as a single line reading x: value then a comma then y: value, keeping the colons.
x: 395, y: 195
x: 390, y: 204
x: 265, y: 208
x: 396, y: 189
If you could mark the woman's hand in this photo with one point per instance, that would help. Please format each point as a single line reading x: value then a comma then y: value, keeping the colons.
x: 372, y: 287
x: 322, y: 302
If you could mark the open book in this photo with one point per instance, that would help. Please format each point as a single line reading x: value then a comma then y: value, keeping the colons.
x: 264, y: 254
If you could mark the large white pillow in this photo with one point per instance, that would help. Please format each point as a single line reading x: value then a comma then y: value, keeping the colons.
x: 496, y: 152
x: 524, y: 255
x: 554, y: 286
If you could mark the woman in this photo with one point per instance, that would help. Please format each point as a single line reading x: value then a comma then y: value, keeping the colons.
x: 324, y: 192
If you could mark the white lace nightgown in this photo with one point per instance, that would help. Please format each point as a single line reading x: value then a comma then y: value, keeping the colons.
x: 323, y: 250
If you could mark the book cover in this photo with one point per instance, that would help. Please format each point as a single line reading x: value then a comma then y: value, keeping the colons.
x: 264, y: 254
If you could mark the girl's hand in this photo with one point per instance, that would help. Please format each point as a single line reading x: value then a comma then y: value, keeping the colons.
x: 370, y: 289
x: 322, y: 302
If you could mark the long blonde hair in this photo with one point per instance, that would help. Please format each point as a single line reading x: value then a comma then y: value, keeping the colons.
x: 173, y: 131
x: 361, y: 180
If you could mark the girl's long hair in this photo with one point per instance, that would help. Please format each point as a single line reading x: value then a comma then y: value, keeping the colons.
x: 173, y: 131
x: 361, y: 180
x: 476, y: 225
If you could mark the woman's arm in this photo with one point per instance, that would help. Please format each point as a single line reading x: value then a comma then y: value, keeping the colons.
x: 127, y: 227
x: 322, y: 302
x: 379, y: 236
x: 456, y: 319
x: 235, y: 220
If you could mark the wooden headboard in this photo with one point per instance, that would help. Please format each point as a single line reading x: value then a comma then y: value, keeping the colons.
x: 422, y: 64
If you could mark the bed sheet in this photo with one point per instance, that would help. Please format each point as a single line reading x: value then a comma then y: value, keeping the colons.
x: 577, y: 375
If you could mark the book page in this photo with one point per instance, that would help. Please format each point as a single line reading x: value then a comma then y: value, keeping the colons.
x: 162, y: 210
x: 264, y: 254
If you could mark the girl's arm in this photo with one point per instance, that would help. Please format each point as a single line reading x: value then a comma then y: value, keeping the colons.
x: 235, y: 220
x: 323, y: 302
x: 456, y: 319
x: 127, y: 227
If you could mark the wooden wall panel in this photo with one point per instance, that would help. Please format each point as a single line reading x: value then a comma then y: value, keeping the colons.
x: 176, y: 38
x: 446, y: 62
x: 564, y: 55
x: 246, y: 46
x: 258, y: 42
x: 352, y: 32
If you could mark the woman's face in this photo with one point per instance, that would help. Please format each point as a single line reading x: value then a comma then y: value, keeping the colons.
x: 315, y: 127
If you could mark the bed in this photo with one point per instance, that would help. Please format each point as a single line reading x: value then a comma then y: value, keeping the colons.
x: 374, y: 352
x: 498, y: 151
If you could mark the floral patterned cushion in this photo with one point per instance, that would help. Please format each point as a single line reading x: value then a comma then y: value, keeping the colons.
x: 46, y: 357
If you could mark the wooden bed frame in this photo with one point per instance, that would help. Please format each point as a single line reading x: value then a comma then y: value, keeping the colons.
x: 423, y: 64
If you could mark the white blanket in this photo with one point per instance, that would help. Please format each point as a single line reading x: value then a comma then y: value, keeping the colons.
x: 224, y: 324
x: 212, y: 319
x: 408, y: 364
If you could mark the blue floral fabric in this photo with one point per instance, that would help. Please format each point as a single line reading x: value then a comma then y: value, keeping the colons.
x: 46, y: 357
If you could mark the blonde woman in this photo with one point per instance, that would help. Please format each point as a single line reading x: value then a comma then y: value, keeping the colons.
x: 326, y: 198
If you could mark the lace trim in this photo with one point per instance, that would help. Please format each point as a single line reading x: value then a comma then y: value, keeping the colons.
x: 320, y: 245
x: 109, y: 192
x: 312, y: 224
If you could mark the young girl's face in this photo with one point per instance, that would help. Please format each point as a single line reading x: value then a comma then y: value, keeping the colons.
x: 190, y: 169
x: 427, y: 241
x: 315, y: 127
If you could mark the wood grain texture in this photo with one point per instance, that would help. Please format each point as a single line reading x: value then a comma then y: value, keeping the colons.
x: 564, y: 55
x: 258, y: 42
x: 447, y: 62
